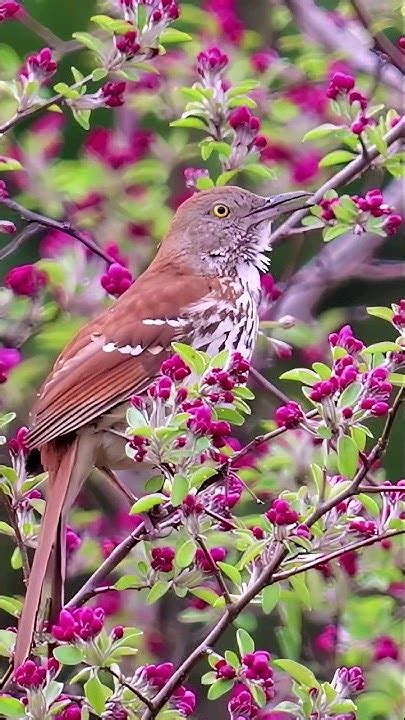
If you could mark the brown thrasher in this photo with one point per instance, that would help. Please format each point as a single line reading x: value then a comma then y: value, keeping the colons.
x: 202, y: 288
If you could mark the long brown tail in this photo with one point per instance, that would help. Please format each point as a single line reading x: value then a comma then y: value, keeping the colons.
x: 65, y: 479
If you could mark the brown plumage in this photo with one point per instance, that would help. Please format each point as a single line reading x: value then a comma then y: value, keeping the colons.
x: 202, y: 288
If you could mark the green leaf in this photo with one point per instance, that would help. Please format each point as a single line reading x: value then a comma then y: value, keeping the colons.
x: 127, y: 581
x: 147, y: 503
x: 135, y: 418
x: 258, y: 694
x: 6, y: 529
x: 159, y: 589
x: 82, y: 117
x: 89, y: 41
x: 350, y: 394
x: 323, y: 370
x: 230, y: 415
x: 110, y: 25
x: 303, y: 375
x: 99, y: 74
x: 204, y: 183
x: 270, y: 596
x: 262, y: 172
x: 299, y: 673
x: 205, y: 593
x: 320, y: 131
x: 397, y: 379
x: 11, y: 707
x: 7, y: 641
x: 10, y: 605
x: 335, y: 231
x: 7, y: 164
x: 336, y: 157
x: 232, y: 659
x: 185, y: 554
x: 370, y: 504
x: 359, y: 436
x: 298, y: 583
x: 348, y: 455
x: 245, y: 642
x: 189, y: 122
x: 343, y: 706
x: 384, y: 313
x: 225, y: 177
x: 208, y: 678
x: 97, y: 694
x: 198, y: 477
x: 68, y: 654
x: 180, y: 488
x: 219, y: 688
x: 231, y: 572
x: 171, y: 35
x: 382, y: 347
x: 195, y: 359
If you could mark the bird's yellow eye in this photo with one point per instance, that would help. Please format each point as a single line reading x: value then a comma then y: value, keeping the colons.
x: 221, y: 211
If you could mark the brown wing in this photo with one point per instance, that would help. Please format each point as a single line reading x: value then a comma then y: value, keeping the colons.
x: 117, y: 354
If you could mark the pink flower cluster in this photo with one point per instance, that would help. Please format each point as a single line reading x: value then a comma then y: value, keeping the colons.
x: 211, y: 63
x: 246, y: 127
x: 289, y: 415
x: 162, y: 559
x: 25, y: 280
x: 9, y: 10
x: 80, y: 624
x: 9, y: 358
x: 218, y: 554
x: 398, y: 319
x: 116, y: 280
x: 149, y: 679
x: 370, y: 205
x: 230, y: 25
x: 40, y: 66
x: 341, y: 85
x: 280, y: 513
x: 30, y: 675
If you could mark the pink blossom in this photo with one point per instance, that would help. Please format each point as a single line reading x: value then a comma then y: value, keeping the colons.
x: 10, y: 10
x: 385, y: 648
x: 25, y: 280
x: 116, y: 280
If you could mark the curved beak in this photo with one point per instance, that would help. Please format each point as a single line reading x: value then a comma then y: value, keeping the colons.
x: 283, y: 203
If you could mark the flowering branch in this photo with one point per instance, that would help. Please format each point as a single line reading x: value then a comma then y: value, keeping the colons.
x: 61, y: 225
x: 26, y: 234
x: 343, y: 177
x: 382, y: 42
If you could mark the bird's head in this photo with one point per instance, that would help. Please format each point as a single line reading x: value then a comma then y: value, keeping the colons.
x: 219, y: 229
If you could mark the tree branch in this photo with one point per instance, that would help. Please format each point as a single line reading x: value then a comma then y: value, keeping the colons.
x: 215, y: 569
x: 61, y: 225
x: 344, y: 176
x: 28, y: 232
x: 382, y: 42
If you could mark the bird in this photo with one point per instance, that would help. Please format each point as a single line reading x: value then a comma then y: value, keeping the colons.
x: 202, y: 288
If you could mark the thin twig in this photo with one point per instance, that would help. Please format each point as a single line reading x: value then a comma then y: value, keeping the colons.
x: 347, y: 174
x: 130, y: 687
x: 381, y: 489
x: 382, y: 42
x: 18, y: 537
x: 28, y: 232
x: 61, y: 225
x: 215, y: 569
x: 333, y: 555
x: 267, y: 385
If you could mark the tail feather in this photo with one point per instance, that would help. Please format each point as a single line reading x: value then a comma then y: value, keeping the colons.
x: 61, y: 472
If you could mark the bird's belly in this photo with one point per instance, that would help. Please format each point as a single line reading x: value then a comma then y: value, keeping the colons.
x: 234, y: 329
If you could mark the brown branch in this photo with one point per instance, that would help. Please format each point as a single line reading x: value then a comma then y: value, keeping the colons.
x: 382, y: 42
x: 343, y: 177
x: 381, y: 270
x: 381, y: 489
x: 277, y: 577
x: 63, y: 226
x: 267, y: 385
x: 130, y: 687
x: 337, y: 262
x: 28, y: 232
x: 318, y: 25
x: 215, y: 569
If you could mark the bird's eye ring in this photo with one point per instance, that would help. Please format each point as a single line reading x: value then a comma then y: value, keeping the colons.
x: 221, y: 211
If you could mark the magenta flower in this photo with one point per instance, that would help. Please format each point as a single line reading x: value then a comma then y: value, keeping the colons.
x: 218, y: 554
x: 40, y: 66
x: 17, y: 444
x: 7, y: 227
x: 30, y: 675
x: 9, y: 10
x: 116, y: 280
x: 112, y: 94
x: 280, y: 513
x: 162, y: 559
x: 211, y: 61
x: 290, y: 415
x: 262, y: 60
x: 326, y: 640
x: 348, y: 680
x: 175, y: 368
x: 3, y: 190
x: 223, y: 670
x: 71, y: 712
x: 140, y: 444
x: 385, y: 648
x: 25, y: 280
x: 340, y: 84
x: 161, y: 388
x: 80, y: 624
x: 9, y: 358
x: 127, y: 44
x: 242, y: 119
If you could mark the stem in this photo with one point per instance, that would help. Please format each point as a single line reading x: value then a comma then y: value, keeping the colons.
x: 215, y: 569
x: 25, y: 234
x: 63, y: 226
x: 333, y: 555
x: 267, y: 385
x: 43, y: 32
x: 54, y: 100
x: 19, y: 540
x: 348, y: 173
x: 382, y: 42
x: 130, y: 687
